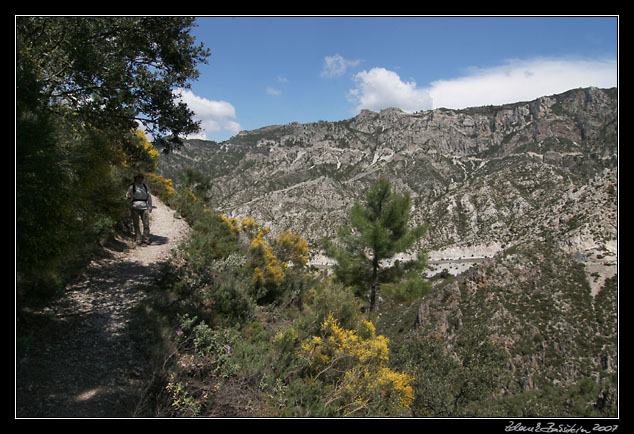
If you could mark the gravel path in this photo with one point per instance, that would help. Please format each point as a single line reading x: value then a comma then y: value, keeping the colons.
x: 83, y: 363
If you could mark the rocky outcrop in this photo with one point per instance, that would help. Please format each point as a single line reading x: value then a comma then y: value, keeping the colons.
x: 495, y: 174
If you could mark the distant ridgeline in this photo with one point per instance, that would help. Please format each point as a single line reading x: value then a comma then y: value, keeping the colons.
x: 495, y: 174
x: 521, y: 204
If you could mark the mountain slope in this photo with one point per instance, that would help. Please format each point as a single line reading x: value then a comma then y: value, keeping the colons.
x: 476, y: 175
x: 521, y: 201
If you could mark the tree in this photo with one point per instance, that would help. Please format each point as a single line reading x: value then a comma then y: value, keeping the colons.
x: 109, y: 71
x: 83, y: 85
x: 377, y: 230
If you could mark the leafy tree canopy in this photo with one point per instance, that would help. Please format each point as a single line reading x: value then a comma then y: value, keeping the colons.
x: 109, y: 71
x: 83, y: 85
x: 377, y: 230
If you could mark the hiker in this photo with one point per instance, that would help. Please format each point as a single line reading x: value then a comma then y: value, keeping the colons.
x: 140, y: 206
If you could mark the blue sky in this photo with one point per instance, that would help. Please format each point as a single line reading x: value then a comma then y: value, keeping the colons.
x: 276, y: 70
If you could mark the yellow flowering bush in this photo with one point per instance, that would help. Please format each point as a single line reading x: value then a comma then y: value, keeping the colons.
x: 162, y: 187
x: 354, y: 366
x: 139, y: 153
x: 251, y: 227
x: 290, y: 247
x: 269, y: 276
x: 232, y: 224
x: 269, y: 261
x: 270, y: 270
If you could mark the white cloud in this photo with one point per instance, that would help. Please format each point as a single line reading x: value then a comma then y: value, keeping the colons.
x: 336, y: 66
x: 214, y: 115
x: 380, y: 88
x: 273, y: 91
x: 521, y: 80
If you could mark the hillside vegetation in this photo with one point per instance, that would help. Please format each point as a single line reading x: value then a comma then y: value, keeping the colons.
x: 250, y: 317
x: 250, y: 330
x: 528, y: 330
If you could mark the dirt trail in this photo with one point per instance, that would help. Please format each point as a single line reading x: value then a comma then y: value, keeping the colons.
x: 83, y: 363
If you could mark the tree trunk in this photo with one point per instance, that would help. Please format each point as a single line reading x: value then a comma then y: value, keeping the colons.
x: 375, y: 281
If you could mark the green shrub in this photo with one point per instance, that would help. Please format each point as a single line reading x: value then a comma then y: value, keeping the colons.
x: 212, y: 344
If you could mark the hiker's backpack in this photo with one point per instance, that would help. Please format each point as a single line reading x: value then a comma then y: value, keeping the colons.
x: 147, y: 193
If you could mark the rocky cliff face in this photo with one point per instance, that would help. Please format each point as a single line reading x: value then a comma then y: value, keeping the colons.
x: 477, y: 176
x: 521, y: 196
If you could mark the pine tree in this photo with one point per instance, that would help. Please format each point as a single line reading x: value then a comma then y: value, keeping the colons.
x: 377, y: 230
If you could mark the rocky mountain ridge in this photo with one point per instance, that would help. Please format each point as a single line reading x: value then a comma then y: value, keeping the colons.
x: 521, y: 201
x: 483, y: 177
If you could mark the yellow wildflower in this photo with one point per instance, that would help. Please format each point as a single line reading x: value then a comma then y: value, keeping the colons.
x: 362, y: 358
